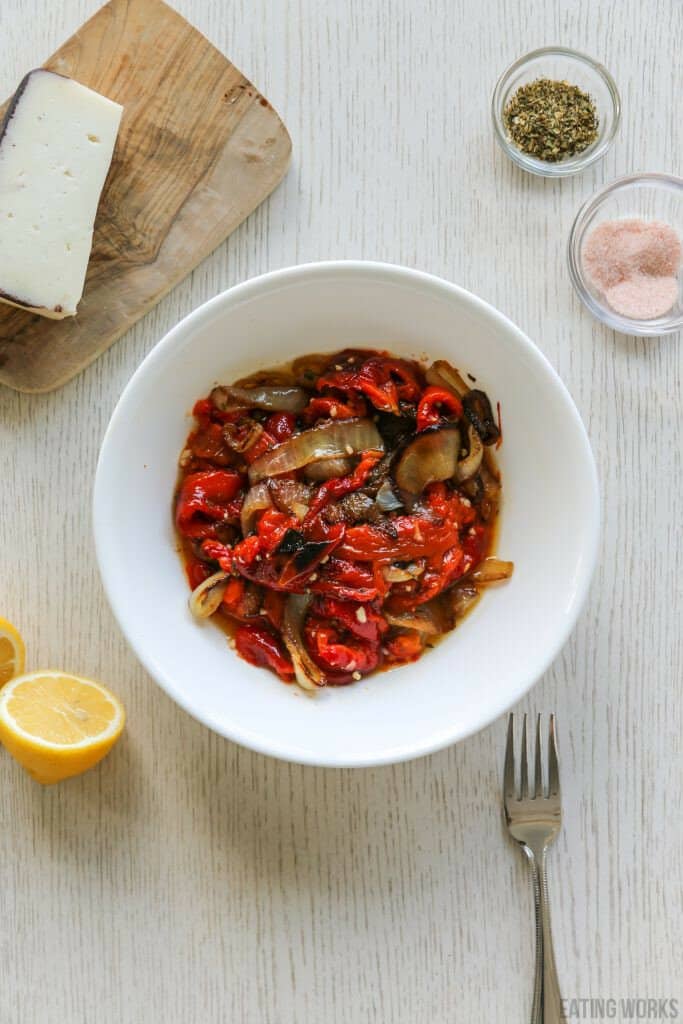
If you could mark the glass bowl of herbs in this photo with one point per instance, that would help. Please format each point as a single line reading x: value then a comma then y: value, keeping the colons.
x: 555, y: 111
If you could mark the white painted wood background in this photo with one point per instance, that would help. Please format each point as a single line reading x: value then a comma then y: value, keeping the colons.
x: 190, y: 880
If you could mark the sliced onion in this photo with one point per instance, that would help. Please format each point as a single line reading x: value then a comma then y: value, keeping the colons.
x: 273, y: 399
x: 478, y: 411
x: 394, y: 574
x: 421, y: 622
x: 328, y: 440
x: 441, y: 374
x: 206, y: 598
x: 257, y: 499
x: 308, y: 675
x: 463, y: 598
x: 291, y: 496
x: 431, y: 456
x: 470, y: 465
x: 386, y: 499
x: 491, y: 484
x: 327, y: 469
x: 491, y: 570
x: 402, y: 574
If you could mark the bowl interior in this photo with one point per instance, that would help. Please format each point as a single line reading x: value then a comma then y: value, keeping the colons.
x: 577, y: 70
x: 548, y: 521
x: 650, y: 198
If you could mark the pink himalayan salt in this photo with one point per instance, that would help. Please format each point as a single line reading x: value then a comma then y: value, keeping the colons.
x: 643, y: 296
x: 635, y: 264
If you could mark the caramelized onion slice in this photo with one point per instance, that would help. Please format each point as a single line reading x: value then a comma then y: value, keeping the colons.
x: 478, y: 411
x: 308, y: 675
x: 329, y: 440
x: 421, y: 622
x: 273, y: 399
x: 441, y: 374
x: 463, y: 597
x: 402, y: 574
x: 386, y: 499
x: 291, y: 496
x: 491, y: 570
x: 327, y: 469
x: 206, y: 598
x: 431, y: 456
x: 257, y: 499
x: 471, y: 464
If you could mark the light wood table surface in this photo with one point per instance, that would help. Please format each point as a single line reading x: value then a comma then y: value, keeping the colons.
x: 188, y: 880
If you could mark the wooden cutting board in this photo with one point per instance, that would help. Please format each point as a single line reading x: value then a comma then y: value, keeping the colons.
x: 199, y: 148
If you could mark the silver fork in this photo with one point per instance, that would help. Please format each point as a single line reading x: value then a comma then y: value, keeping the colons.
x: 534, y: 820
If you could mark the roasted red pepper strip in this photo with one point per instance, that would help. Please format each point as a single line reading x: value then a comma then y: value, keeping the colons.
x: 449, y: 506
x: 411, y: 537
x: 262, y: 443
x: 348, y: 581
x: 202, y: 410
x: 271, y: 528
x: 209, y: 444
x: 402, y: 648
x: 441, y: 572
x: 428, y: 413
x: 220, y: 553
x: 302, y: 565
x: 280, y: 425
x: 205, y: 499
x: 239, y: 602
x: 342, y: 485
x: 197, y: 571
x: 258, y: 644
x: 360, y: 619
x: 284, y: 573
x: 245, y: 552
x: 329, y: 407
x: 383, y: 381
x: 335, y: 654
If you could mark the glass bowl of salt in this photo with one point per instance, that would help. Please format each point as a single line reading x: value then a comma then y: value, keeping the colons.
x: 625, y: 254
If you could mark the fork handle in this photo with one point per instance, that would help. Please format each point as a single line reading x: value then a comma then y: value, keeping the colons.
x: 547, y: 1002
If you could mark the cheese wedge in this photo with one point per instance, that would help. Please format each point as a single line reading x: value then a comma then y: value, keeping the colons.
x: 56, y: 144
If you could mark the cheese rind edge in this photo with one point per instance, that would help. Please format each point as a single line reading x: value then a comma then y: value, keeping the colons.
x: 56, y: 145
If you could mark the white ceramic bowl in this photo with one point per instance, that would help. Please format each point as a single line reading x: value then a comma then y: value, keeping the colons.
x: 549, y: 520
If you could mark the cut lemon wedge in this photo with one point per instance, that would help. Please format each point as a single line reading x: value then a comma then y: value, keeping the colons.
x: 57, y: 725
x: 12, y: 652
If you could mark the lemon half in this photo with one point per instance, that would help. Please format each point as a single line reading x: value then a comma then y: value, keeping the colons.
x: 57, y: 725
x: 12, y: 652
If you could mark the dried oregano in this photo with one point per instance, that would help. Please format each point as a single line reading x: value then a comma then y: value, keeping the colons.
x: 551, y: 120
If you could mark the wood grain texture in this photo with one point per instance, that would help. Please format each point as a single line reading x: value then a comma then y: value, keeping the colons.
x: 199, y: 147
x: 189, y: 880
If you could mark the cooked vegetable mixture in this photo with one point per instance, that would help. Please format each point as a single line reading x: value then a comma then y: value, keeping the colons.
x: 338, y: 515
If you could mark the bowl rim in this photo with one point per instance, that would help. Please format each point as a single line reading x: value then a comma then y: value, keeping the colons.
x: 588, y: 209
x: 574, y: 165
x: 250, y: 288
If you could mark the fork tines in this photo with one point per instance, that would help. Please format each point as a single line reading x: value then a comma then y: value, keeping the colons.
x: 538, y: 790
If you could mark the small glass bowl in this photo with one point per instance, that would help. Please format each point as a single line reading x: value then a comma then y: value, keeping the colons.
x: 560, y: 64
x: 650, y: 197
